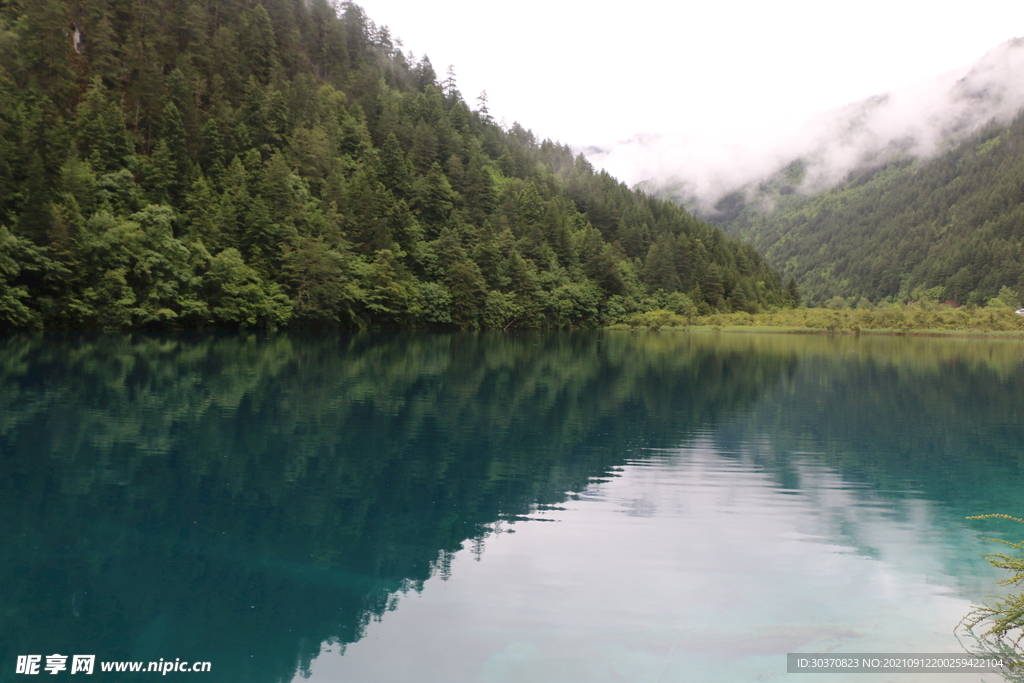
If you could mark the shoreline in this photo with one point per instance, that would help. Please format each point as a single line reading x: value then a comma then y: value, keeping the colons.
x: 922, y: 332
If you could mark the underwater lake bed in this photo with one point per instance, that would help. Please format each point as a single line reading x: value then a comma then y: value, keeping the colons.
x: 577, y: 506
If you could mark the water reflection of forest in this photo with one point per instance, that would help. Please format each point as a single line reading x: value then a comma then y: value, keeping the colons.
x: 941, y: 417
x: 242, y: 499
x: 249, y: 497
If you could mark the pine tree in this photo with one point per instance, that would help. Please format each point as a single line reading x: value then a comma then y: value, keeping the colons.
x: 101, y: 131
x: 482, y: 109
x: 101, y: 46
x: 449, y: 86
x: 435, y: 200
x: 257, y: 43
x: 212, y: 155
x: 659, y: 267
x: 396, y: 169
x: 173, y: 136
x: 202, y: 212
x: 424, y: 151
x: 792, y: 293
x: 47, y: 50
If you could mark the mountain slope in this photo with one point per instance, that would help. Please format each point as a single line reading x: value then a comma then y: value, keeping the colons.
x: 949, y: 228
x: 920, y: 120
x: 911, y: 194
x: 239, y: 163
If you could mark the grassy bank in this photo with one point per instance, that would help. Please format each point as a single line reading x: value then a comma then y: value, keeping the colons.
x: 916, y: 319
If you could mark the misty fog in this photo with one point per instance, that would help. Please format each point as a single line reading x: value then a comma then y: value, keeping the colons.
x: 919, y: 120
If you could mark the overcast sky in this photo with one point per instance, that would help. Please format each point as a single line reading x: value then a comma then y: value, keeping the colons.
x: 596, y: 72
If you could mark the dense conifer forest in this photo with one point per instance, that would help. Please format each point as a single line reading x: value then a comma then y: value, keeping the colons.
x: 946, y: 229
x: 243, y: 163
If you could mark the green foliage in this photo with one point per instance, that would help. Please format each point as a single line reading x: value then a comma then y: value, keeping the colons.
x: 257, y: 165
x: 240, y: 298
x: 1003, y: 620
x: 657, y: 319
x: 324, y: 282
x: 102, y: 134
x: 836, y: 302
x: 134, y: 273
x: 893, y: 318
x: 18, y: 258
x: 677, y: 302
x: 1005, y: 298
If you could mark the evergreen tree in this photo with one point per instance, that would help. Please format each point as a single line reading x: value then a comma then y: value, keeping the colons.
x: 435, y: 200
x: 101, y: 131
x: 257, y: 43
x: 659, y: 268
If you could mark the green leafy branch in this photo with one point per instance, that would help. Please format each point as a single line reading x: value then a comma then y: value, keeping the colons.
x: 1004, y: 618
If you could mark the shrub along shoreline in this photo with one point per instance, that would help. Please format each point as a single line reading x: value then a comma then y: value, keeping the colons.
x: 924, y: 319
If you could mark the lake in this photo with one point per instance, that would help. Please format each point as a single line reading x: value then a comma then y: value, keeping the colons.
x: 573, y: 506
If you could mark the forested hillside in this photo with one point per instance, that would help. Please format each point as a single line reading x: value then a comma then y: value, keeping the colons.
x: 234, y: 163
x: 945, y: 229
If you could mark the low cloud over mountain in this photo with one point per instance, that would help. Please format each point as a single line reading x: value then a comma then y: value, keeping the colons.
x: 919, y: 120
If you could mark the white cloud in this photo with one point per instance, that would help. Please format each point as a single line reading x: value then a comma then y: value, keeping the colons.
x: 600, y: 71
x: 919, y: 119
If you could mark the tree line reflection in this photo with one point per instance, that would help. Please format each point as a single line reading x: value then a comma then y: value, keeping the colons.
x: 241, y: 499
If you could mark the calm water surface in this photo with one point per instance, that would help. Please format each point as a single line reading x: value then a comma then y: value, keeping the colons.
x: 482, y: 508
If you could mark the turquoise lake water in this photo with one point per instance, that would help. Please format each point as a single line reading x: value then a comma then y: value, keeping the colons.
x: 548, y: 507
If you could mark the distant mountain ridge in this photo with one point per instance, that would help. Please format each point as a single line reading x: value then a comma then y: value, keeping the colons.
x: 903, y: 195
x: 921, y: 120
x: 949, y: 228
